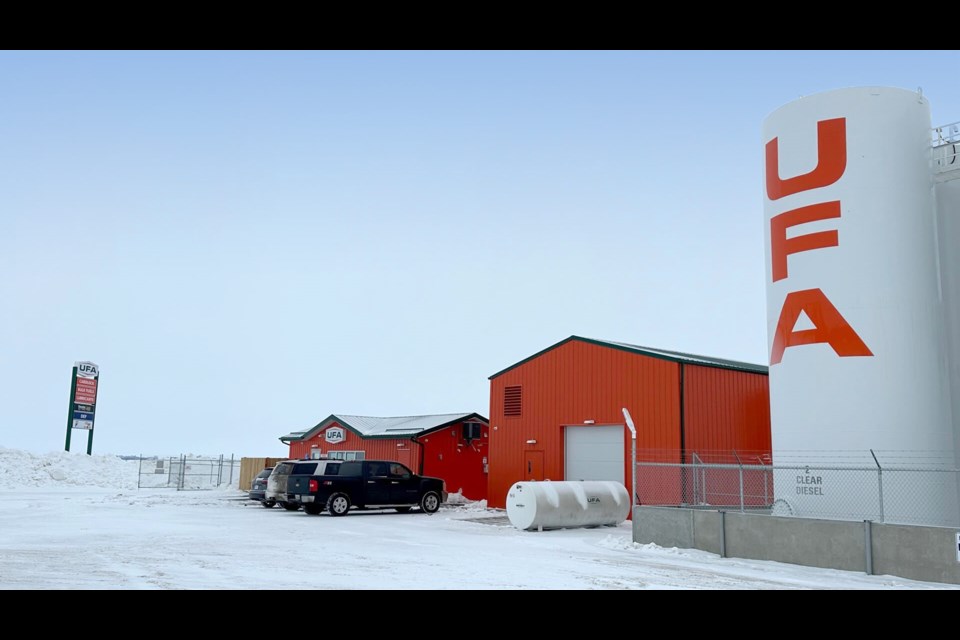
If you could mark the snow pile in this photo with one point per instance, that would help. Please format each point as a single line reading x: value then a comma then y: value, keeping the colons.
x: 476, y: 506
x: 463, y: 503
x: 621, y: 543
x: 456, y: 498
x: 24, y: 469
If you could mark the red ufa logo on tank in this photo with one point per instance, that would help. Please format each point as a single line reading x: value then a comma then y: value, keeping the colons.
x: 830, y: 327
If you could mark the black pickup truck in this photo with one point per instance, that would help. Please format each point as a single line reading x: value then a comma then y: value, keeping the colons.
x: 365, y: 484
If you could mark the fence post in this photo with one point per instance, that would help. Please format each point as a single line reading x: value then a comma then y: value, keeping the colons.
x: 696, y: 480
x: 766, y: 492
x: 183, y: 471
x: 230, y: 482
x: 699, y: 495
x: 139, y: 471
x: 868, y: 546
x: 880, y: 481
x: 723, y: 534
x: 740, y: 462
x: 633, y: 459
x: 703, y: 482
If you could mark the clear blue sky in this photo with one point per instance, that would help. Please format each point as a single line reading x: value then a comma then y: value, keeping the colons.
x: 248, y: 242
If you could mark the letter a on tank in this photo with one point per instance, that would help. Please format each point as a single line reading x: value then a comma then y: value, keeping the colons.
x: 829, y: 327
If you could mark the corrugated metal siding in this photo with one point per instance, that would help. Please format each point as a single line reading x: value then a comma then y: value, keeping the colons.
x: 446, y: 455
x: 398, y: 449
x: 300, y: 449
x: 727, y: 420
x: 726, y: 411
x: 575, y: 382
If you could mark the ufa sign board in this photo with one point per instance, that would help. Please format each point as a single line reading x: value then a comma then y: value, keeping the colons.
x: 335, y: 435
x: 83, y: 400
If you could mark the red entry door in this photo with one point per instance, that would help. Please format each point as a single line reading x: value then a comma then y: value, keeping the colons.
x: 533, y: 465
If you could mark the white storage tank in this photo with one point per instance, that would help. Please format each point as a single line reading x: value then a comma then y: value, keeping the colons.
x: 558, y: 505
x: 854, y: 316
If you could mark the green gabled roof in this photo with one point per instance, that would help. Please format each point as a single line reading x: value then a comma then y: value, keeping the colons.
x: 390, y: 427
x: 662, y: 354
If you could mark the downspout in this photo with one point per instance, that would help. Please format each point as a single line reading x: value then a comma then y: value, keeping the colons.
x: 414, y: 440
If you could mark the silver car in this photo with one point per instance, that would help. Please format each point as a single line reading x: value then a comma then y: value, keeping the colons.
x: 258, y: 488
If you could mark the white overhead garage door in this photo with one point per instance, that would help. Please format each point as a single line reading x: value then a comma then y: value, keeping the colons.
x: 594, y: 453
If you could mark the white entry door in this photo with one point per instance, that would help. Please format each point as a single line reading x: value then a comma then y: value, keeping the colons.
x: 594, y: 453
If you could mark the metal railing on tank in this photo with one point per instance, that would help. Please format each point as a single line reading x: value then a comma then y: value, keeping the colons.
x: 946, y: 151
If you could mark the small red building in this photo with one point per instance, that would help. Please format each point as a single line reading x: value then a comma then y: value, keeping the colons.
x: 557, y: 415
x: 453, y: 446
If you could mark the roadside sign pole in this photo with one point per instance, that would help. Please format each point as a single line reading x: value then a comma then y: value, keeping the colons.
x: 90, y: 434
x: 73, y: 392
x: 84, y: 390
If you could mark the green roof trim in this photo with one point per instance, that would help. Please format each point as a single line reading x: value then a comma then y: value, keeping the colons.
x: 660, y: 354
x: 323, y: 424
x: 444, y: 426
x: 300, y: 436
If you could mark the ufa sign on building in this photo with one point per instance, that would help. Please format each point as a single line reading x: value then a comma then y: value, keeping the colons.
x: 335, y: 435
x: 83, y: 400
x: 854, y: 312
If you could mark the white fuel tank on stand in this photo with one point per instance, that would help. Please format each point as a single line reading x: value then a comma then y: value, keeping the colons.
x: 558, y: 505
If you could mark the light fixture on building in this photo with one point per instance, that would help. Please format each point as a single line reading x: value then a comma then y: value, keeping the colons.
x: 589, y: 421
x: 531, y: 442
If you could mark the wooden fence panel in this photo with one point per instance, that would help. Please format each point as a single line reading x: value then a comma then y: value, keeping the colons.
x: 250, y: 467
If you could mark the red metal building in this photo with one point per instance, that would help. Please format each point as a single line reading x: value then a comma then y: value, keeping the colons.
x: 558, y: 414
x: 451, y: 446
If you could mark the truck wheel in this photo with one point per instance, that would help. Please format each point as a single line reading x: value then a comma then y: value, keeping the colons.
x: 338, y: 504
x: 403, y: 509
x: 268, y: 504
x: 430, y: 502
x: 290, y: 506
x: 313, y: 509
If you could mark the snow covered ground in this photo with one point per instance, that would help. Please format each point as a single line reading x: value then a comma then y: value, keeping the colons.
x: 62, y: 536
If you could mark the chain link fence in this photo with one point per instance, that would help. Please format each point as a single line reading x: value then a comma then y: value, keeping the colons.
x: 888, y: 487
x: 187, y: 473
